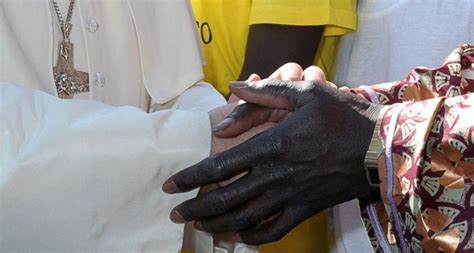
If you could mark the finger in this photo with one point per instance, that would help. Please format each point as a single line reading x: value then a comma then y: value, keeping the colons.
x: 246, y: 116
x: 224, y: 165
x: 248, y: 214
x: 253, y: 77
x: 276, y: 94
x: 233, y: 98
x: 331, y: 84
x: 290, y: 71
x: 314, y: 73
x: 223, y: 199
x: 276, y: 228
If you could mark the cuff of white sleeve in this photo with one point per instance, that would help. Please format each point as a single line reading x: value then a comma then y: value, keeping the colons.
x: 186, y: 134
x: 183, y: 138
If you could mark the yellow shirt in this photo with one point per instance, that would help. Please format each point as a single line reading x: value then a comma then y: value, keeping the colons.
x: 223, y: 26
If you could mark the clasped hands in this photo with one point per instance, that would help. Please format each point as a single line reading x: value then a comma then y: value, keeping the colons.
x: 309, y: 160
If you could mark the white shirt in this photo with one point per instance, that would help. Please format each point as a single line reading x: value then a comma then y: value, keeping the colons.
x: 79, y: 175
x: 129, y: 57
x: 393, y: 37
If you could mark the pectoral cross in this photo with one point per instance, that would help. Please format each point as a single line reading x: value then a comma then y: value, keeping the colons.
x: 68, y: 80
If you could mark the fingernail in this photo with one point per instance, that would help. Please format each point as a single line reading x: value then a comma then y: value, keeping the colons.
x: 176, y: 217
x: 170, y: 187
x: 223, y: 124
x: 239, y: 84
x: 198, y: 225
x: 236, y: 238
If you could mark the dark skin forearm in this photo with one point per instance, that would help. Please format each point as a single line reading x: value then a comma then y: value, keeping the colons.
x: 269, y: 46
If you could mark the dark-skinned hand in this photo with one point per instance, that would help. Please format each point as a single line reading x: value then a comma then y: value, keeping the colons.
x: 311, y: 160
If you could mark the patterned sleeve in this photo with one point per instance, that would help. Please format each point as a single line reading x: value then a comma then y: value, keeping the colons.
x: 449, y: 80
x: 427, y: 173
x: 427, y: 168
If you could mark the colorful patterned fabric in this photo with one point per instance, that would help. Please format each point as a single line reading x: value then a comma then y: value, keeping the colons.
x: 427, y: 170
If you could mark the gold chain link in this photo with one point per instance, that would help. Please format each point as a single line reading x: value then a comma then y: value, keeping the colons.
x: 65, y: 26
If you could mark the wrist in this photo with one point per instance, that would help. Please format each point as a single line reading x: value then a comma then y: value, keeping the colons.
x: 373, y: 153
x: 373, y: 112
x: 365, y: 128
x: 371, y: 150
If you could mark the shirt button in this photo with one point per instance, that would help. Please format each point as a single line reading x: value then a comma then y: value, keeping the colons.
x: 99, y: 80
x: 93, y: 26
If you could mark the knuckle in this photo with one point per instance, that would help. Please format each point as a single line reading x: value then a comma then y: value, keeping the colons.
x: 219, y: 202
x: 244, y: 220
x: 279, y: 143
x: 213, y: 168
x: 218, y: 171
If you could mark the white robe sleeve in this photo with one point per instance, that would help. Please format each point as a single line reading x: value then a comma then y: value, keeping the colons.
x: 84, y: 176
x: 201, y: 97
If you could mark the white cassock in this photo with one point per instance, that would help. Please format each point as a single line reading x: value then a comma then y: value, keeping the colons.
x: 85, y: 175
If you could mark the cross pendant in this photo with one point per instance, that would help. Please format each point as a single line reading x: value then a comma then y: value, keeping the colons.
x: 68, y: 80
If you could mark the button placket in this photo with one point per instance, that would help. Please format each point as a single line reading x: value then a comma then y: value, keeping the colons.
x: 93, y: 26
x: 99, y: 80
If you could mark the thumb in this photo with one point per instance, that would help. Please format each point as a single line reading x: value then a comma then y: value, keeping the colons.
x: 275, y: 94
x: 233, y: 98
